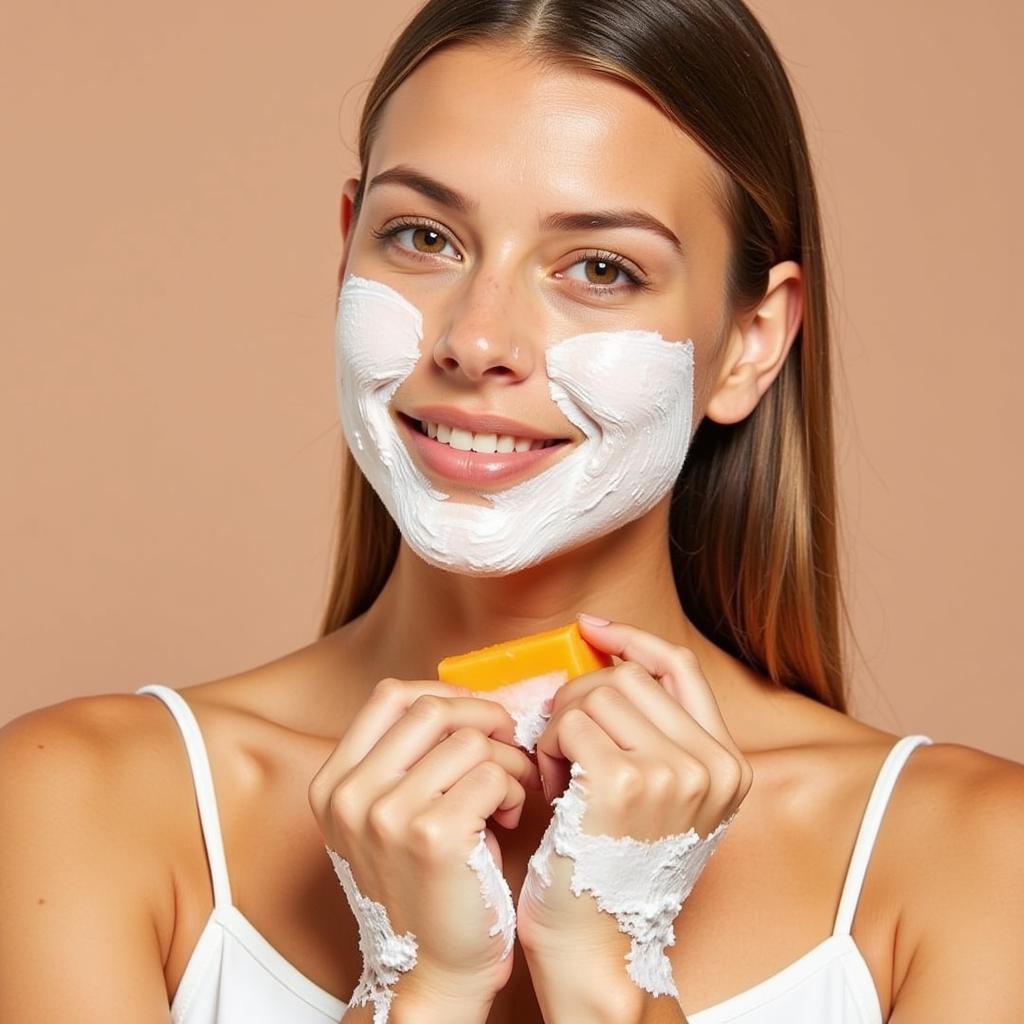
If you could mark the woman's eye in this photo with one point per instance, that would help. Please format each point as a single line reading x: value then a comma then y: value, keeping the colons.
x: 599, y: 272
x: 603, y: 274
x: 425, y: 240
x: 422, y: 239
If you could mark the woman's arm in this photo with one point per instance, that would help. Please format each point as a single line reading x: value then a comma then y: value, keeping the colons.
x: 402, y: 1013
x: 79, y: 885
x: 574, y: 992
x: 961, y: 947
x: 661, y: 780
x: 424, y: 1012
x: 959, y: 830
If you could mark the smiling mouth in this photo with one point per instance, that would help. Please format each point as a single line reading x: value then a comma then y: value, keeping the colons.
x: 461, y: 464
x: 460, y: 440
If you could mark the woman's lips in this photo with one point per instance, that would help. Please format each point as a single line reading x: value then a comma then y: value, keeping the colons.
x: 473, y: 467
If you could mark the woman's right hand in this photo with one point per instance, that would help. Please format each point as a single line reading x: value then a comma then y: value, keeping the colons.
x: 403, y: 798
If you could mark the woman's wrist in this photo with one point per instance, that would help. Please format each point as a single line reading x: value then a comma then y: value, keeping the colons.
x: 582, y: 989
x: 423, y: 1009
x: 415, y: 1009
x: 419, y: 1000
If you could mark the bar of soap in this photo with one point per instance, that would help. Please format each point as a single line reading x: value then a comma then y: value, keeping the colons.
x: 556, y: 650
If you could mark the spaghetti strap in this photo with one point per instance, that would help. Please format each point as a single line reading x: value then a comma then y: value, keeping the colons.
x: 869, y: 826
x: 202, y: 779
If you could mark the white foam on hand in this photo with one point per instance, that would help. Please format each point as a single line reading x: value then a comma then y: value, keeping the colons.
x: 385, y: 954
x: 641, y: 884
x: 524, y: 701
x: 495, y: 892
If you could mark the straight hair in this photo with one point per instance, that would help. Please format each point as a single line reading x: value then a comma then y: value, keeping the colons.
x: 753, y: 518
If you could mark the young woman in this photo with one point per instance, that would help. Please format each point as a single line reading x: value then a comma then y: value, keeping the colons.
x: 584, y: 243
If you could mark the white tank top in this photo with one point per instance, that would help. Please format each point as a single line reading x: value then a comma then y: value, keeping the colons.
x: 235, y: 976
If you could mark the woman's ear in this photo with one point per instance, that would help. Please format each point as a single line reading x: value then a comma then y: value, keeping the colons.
x: 348, y: 194
x: 757, y: 345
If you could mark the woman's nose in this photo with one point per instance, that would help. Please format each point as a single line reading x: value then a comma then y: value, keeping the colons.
x: 483, y: 340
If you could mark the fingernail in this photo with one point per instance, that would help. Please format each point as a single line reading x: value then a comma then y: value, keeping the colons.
x: 592, y: 620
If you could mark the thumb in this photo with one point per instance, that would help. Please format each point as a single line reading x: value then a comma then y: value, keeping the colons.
x: 676, y: 669
x: 595, y: 629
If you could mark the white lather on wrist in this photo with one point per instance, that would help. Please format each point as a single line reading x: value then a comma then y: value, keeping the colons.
x: 641, y: 884
x: 385, y: 954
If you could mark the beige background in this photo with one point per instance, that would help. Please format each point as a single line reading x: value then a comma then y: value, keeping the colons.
x: 170, y: 441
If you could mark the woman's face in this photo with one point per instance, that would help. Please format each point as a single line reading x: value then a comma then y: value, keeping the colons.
x: 537, y: 273
x: 523, y: 205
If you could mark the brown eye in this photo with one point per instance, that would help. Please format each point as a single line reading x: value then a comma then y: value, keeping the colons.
x: 605, y: 272
x: 416, y: 239
x: 432, y: 241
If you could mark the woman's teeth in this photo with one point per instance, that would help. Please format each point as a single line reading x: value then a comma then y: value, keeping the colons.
x: 488, y: 444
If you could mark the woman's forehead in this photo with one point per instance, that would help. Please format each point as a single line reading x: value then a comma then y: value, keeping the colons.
x: 504, y: 128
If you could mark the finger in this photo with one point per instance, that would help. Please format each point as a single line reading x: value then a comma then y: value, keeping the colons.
x: 388, y: 704
x: 696, y: 751
x: 485, y: 791
x: 427, y: 722
x: 644, y: 704
x: 440, y: 768
x: 675, y: 668
x: 574, y: 736
x: 628, y: 715
x: 390, y: 699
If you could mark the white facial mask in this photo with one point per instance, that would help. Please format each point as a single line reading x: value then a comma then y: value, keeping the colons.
x: 629, y: 392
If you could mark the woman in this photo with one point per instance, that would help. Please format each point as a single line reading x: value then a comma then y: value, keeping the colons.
x: 592, y: 228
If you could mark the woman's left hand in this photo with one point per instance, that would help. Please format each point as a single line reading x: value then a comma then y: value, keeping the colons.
x: 658, y: 760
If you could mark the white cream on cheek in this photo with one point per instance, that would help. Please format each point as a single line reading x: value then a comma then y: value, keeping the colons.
x: 629, y: 392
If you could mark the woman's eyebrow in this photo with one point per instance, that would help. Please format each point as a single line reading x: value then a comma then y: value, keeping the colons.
x: 402, y: 174
x: 611, y: 219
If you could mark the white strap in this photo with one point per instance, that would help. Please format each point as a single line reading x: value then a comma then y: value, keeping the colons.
x: 870, y: 823
x: 202, y: 779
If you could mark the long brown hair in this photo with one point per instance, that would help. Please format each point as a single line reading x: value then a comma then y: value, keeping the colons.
x: 752, y: 527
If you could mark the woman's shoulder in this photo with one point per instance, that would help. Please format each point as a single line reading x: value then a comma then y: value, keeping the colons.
x: 111, y: 765
x: 936, y: 774
x: 127, y: 746
x: 944, y: 871
x: 91, y: 790
x: 90, y: 740
x: 114, y: 752
x: 113, y: 738
x: 110, y: 774
x: 949, y: 802
x: 961, y: 811
x: 944, y: 868
x: 950, y: 855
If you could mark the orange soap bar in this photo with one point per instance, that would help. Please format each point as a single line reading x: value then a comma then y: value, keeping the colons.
x: 562, y: 649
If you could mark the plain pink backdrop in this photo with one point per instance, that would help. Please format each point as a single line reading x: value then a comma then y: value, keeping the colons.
x: 171, y: 184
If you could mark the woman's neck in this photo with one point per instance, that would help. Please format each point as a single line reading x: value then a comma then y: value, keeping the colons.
x: 424, y: 613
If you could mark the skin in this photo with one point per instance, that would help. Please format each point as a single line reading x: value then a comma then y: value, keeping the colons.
x: 519, y: 287
x: 113, y: 884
